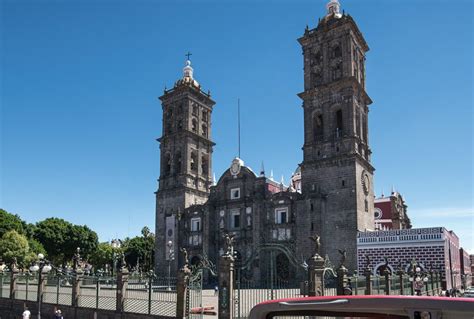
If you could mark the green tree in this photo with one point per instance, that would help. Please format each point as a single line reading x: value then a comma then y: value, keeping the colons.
x: 60, y: 239
x: 10, y: 222
x: 140, y: 248
x: 53, y: 234
x: 104, y: 255
x: 15, y: 245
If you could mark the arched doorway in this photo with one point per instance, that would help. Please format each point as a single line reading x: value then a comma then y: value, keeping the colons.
x: 282, y: 267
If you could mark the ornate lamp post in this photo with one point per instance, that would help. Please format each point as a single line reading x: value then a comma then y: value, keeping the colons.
x: 43, y: 267
x: 170, y: 258
x: 418, y: 278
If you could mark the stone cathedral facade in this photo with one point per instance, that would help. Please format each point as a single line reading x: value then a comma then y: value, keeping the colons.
x: 330, y: 194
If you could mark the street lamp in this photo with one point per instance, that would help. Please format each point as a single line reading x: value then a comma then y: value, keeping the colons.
x: 170, y: 258
x: 418, y: 279
x: 43, y: 267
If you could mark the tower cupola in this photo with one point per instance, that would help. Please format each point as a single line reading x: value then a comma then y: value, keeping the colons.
x: 334, y: 8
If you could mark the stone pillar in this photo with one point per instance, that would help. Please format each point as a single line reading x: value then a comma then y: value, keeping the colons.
x: 316, y: 276
x: 13, y: 282
x: 368, y: 281
x: 122, y: 283
x: 388, y: 281
x: 76, y: 287
x: 226, y: 286
x: 181, y: 287
x: 342, y: 281
x: 402, y: 284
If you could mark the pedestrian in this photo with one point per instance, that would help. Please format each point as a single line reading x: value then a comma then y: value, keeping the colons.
x: 216, y: 290
x: 447, y: 293
x: 26, y: 313
x: 58, y: 314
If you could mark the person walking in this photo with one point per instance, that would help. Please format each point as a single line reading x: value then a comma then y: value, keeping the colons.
x: 26, y: 313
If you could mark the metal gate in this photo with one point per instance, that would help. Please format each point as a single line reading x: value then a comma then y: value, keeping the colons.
x: 272, y: 271
x: 194, y: 294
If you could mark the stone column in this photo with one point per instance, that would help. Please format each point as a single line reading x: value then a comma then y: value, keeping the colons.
x: 368, y: 281
x: 181, y: 287
x: 76, y: 287
x: 122, y: 283
x: 342, y: 281
x: 13, y: 282
x: 226, y: 286
x: 388, y: 281
x: 402, y: 284
x: 316, y: 276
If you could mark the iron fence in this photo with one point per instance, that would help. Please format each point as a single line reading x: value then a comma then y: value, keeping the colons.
x: 143, y: 294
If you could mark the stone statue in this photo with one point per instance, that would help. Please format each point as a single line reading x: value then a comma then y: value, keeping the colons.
x: 13, y: 266
x: 367, y: 261
x: 77, y: 259
x: 317, y: 243
x: 229, y: 242
x: 185, y: 254
x: 343, y: 256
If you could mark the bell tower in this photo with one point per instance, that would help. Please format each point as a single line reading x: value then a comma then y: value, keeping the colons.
x: 185, y: 160
x: 336, y: 172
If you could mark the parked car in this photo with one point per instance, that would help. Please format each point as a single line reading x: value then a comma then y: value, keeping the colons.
x: 393, y: 307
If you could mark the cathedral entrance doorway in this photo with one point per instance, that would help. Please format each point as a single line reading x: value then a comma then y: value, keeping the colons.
x: 270, y: 271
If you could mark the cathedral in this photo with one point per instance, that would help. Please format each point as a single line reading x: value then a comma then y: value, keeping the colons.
x: 330, y: 194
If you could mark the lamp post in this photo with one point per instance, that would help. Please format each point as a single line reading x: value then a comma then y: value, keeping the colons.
x: 170, y: 258
x: 42, y: 266
x: 418, y: 278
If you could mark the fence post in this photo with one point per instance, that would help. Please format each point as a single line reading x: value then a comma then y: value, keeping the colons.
x: 150, y: 289
x: 368, y: 281
x: 97, y: 293
x: 181, y: 290
x: 316, y: 275
x: 402, y: 284
x: 388, y: 281
x: 76, y: 287
x: 122, y: 283
x: 226, y: 285
x: 341, y: 280
x: 13, y: 280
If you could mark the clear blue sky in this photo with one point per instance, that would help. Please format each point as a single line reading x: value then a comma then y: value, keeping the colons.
x: 79, y: 108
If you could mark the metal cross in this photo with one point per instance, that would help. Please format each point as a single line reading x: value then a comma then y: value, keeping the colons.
x: 188, y: 54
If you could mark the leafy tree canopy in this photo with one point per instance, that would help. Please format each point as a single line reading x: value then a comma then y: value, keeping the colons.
x: 140, y: 248
x: 10, y: 222
x: 15, y: 245
x: 61, y: 239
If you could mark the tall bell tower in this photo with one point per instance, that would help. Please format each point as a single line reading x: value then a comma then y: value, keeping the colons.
x: 185, y: 161
x: 336, y: 173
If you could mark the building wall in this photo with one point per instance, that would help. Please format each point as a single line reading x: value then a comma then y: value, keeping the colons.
x: 430, y: 247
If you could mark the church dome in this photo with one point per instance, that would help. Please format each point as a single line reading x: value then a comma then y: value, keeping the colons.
x: 188, y: 77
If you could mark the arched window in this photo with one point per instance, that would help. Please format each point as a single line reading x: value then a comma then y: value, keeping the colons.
x: 318, y: 127
x: 177, y: 163
x: 194, y: 125
x: 193, y: 161
x: 337, y: 52
x: 204, y: 165
x: 339, y: 123
x: 204, y: 130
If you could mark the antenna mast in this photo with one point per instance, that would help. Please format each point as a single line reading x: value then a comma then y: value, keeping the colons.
x: 238, y: 120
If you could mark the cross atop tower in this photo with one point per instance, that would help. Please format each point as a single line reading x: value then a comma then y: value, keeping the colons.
x: 188, y: 54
